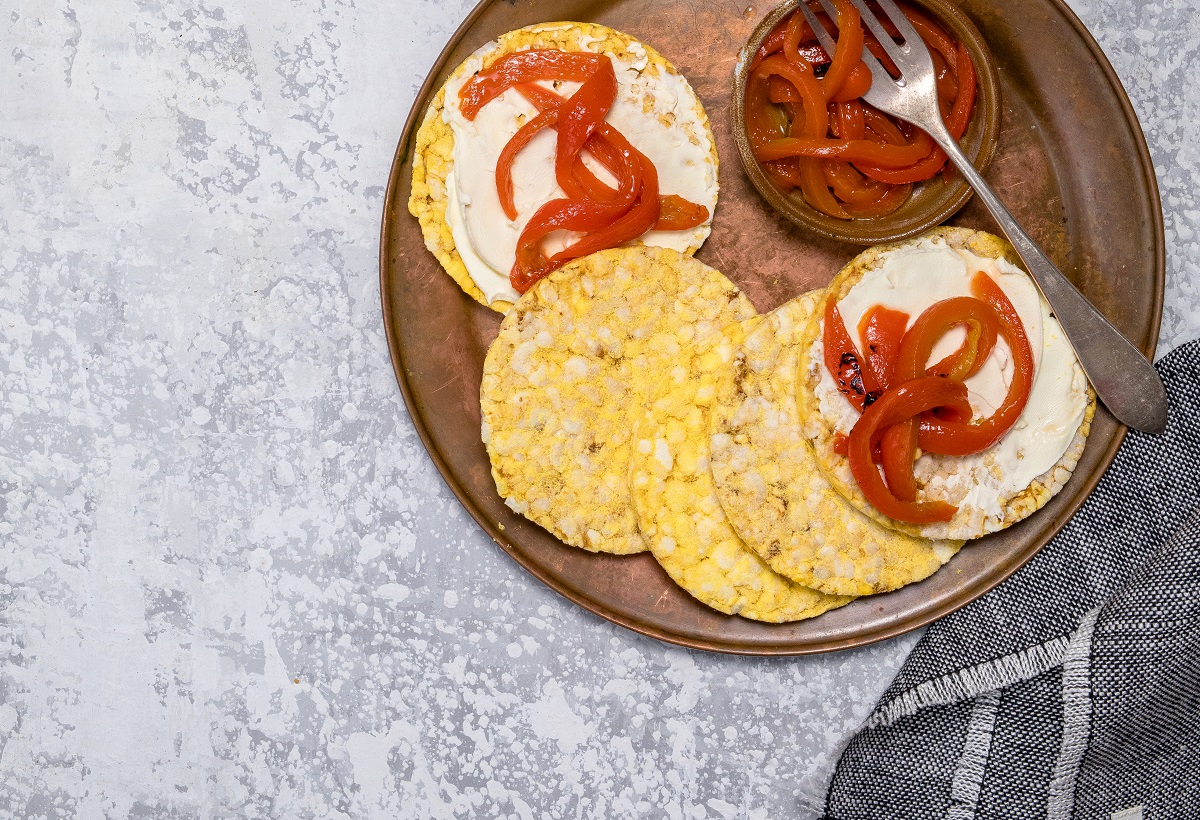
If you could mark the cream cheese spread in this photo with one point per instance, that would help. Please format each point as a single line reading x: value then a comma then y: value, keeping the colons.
x: 912, y: 278
x: 655, y: 110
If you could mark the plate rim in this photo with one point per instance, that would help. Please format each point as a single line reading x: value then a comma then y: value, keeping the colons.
x: 596, y: 605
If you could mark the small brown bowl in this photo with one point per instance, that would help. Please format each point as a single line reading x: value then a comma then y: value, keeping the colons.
x: 933, y: 201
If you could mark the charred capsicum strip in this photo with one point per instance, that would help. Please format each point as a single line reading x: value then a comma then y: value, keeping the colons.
x: 854, y: 380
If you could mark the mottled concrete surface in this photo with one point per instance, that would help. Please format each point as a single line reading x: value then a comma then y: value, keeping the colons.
x: 231, y: 582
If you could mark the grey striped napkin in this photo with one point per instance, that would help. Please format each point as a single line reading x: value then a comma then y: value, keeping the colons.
x: 1073, y: 689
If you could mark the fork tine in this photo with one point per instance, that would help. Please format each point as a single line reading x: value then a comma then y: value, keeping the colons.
x: 885, y: 40
x: 823, y: 37
x: 879, y: 74
x: 833, y: 13
x: 834, y: 16
x: 900, y: 21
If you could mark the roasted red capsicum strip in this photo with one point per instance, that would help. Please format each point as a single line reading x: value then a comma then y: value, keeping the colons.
x: 883, y: 155
x: 525, y: 67
x: 981, y: 324
x: 609, y: 146
x: 985, y: 316
x: 606, y: 144
x: 853, y: 375
x: 633, y: 223
x: 847, y: 53
x: 678, y: 214
x: 976, y: 316
x: 902, y: 402
x: 524, y: 135
x: 558, y: 214
x: 806, y: 48
x: 583, y: 113
x: 956, y: 437
x: 882, y: 331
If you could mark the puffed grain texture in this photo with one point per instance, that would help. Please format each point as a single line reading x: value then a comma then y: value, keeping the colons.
x: 576, y: 361
x: 677, y: 505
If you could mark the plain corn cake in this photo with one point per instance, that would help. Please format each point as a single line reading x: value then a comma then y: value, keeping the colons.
x: 575, y: 362
x: 676, y: 497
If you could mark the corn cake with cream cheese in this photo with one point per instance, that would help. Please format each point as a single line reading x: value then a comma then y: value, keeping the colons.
x: 1018, y: 474
x: 454, y: 160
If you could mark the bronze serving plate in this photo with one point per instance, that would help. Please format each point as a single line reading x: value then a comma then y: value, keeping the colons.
x: 1072, y: 164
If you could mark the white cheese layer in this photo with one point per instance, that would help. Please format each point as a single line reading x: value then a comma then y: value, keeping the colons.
x: 912, y: 278
x: 657, y: 112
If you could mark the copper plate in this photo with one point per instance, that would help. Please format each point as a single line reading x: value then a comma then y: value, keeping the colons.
x: 1071, y: 164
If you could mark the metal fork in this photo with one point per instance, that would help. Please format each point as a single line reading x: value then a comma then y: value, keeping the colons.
x: 1124, y: 380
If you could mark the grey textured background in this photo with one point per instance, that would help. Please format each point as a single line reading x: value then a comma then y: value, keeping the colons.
x: 231, y: 582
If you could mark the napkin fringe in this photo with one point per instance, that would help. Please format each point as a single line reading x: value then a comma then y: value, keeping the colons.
x: 972, y: 764
x: 967, y: 683
x: 1077, y: 719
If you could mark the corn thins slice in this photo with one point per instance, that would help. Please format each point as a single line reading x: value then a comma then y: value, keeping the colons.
x: 676, y: 499
x: 577, y: 360
x: 932, y: 471
x: 433, y: 154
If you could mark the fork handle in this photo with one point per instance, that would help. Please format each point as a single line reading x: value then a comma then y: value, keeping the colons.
x: 1124, y: 380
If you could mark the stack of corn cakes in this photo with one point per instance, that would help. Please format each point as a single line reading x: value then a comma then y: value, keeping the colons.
x: 634, y: 401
